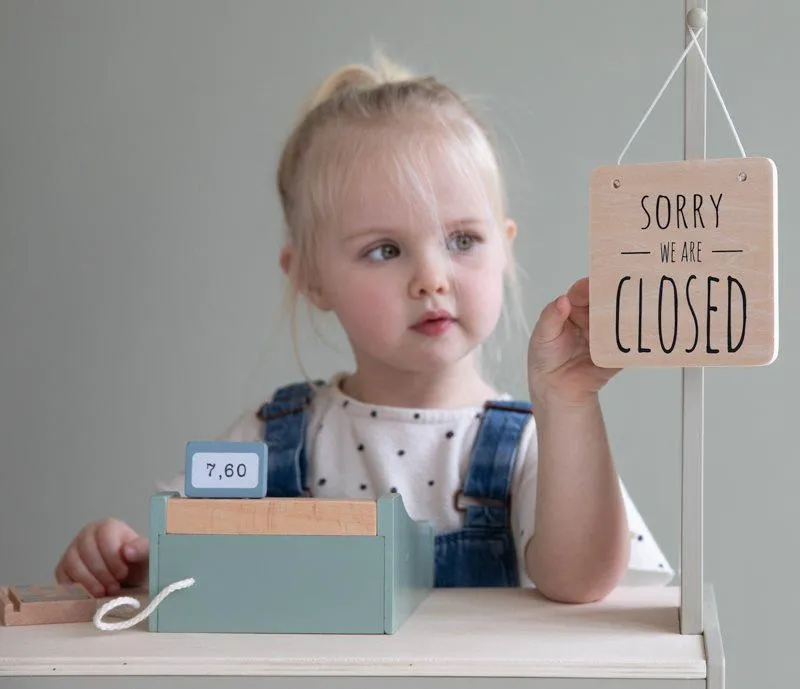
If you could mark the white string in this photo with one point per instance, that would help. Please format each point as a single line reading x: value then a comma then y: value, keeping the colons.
x: 657, y: 98
x: 716, y: 90
x: 132, y: 602
x: 693, y: 44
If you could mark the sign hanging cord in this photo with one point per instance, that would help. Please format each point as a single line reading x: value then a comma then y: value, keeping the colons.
x: 693, y: 44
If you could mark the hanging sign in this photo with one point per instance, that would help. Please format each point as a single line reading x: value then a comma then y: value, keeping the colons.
x: 684, y: 264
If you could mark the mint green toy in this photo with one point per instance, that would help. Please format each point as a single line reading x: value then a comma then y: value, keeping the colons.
x: 331, y: 584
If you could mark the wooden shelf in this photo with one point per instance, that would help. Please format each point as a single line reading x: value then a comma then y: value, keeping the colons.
x: 634, y: 633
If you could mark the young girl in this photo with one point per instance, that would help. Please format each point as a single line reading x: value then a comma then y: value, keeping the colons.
x: 396, y: 222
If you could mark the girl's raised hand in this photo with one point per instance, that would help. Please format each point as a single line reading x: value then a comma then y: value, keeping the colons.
x: 559, y: 366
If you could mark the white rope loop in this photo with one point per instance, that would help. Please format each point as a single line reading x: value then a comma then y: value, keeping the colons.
x: 132, y: 602
x: 716, y: 90
x: 693, y: 44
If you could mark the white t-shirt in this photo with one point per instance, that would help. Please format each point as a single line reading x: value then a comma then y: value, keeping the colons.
x: 357, y: 450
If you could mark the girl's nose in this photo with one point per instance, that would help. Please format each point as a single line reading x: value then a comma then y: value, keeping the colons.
x: 431, y: 276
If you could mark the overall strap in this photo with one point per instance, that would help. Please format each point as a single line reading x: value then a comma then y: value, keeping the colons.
x: 285, y: 420
x: 491, y: 464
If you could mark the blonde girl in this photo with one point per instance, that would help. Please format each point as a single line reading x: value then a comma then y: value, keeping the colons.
x: 396, y: 223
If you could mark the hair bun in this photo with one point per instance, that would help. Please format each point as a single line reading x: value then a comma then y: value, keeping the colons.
x: 359, y: 77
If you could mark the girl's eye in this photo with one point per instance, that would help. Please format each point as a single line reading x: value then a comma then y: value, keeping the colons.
x: 384, y: 252
x: 461, y: 241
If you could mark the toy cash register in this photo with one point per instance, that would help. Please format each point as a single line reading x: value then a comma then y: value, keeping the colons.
x: 282, y: 565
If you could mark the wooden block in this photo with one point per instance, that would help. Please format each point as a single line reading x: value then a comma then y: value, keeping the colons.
x: 33, y: 604
x: 46, y: 604
x: 31, y: 593
x: 684, y: 264
x: 279, y: 516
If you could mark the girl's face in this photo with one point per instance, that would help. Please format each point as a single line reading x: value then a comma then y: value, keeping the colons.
x: 413, y: 292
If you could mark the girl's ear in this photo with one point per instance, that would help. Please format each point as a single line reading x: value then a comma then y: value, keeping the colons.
x: 299, y: 277
x: 509, y: 233
x: 511, y: 230
x: 317, y: 297
x: 286, y: 259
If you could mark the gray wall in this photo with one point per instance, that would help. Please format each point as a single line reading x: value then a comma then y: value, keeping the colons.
x: 139, y: 230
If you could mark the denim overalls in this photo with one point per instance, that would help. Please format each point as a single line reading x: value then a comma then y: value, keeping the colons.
x: 482, y: 552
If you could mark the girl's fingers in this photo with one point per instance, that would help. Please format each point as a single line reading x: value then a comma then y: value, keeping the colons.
x: 59, y: 573
x: 109, y: 546
x: 75, y: 570
x: 578, y: 294
x: 93, y: 560
x: 551, y: 321
x: 137, y: 550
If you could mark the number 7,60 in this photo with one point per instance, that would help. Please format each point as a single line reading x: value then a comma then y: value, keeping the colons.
x: 240, y: 470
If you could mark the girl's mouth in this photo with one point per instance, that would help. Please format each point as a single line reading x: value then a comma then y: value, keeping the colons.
x: 433, y: 327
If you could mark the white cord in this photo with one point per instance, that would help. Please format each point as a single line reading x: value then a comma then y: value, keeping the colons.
x: 693, y: 44
x: 716, y: 90
x: 132, y: 602
x: 657, y: 98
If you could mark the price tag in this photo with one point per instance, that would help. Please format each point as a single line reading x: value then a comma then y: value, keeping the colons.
x: 217, y: 469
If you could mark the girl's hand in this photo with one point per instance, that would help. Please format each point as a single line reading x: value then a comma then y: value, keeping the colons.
x: 559, y: 366
x: 104, y: 556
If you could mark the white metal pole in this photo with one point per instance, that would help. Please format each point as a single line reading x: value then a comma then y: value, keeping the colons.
x: 691, y: 556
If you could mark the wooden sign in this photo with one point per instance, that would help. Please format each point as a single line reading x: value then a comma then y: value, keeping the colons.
x: 684, y: 264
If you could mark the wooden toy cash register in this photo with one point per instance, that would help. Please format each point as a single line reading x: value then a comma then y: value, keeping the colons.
x: 281, y: 565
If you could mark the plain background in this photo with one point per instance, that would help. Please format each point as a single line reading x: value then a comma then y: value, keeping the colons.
x: 140, y: 296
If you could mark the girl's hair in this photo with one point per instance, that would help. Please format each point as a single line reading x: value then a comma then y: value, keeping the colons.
x: 342, y: 131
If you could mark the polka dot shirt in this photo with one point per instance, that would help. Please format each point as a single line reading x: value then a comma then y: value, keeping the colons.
x: 358, y: 450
